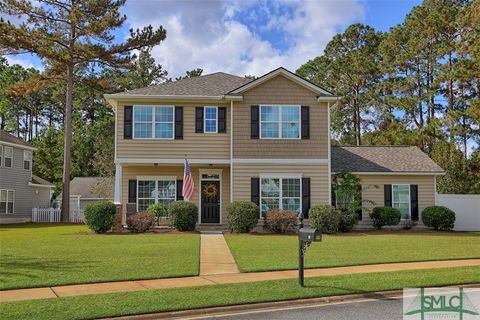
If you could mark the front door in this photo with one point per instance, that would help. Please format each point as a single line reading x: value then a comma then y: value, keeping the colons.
x: 210, y: 191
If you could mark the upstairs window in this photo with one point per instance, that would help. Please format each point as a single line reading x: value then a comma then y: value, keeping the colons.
x: 153, y: 122
x: 279, y: 122
x: 8, y: 156
x: 211, y: 119
x: 27, y: 160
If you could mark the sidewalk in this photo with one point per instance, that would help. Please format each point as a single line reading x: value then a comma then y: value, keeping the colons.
x: 213, y: 279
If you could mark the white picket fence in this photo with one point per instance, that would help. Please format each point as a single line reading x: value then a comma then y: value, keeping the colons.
x: 53, y: 215
x: 466, y: 207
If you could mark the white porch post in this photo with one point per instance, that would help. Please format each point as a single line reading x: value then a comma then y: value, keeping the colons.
x: 118, y: 185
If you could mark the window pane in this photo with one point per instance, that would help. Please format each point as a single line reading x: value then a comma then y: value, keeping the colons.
x: 291, y: 187
x: 3, y: 207
x: 10, y: 196
x: 211, y: 113
x: 8, y: 162
x: 26, y: 165
x: 401, y: 193
x: 3, y: 195
x: 142, y: 113
x: 269, y: 130
x: 8, y: 152
x: 270, y: 187
x: 269, y: 113
x: 290, y: 114
x: 146, y: 189
x: 290, y: 130
x: 143, y: 130
x: 404, y: 209
x: 144, y: 203
x: 291, y: 204
x: 166, y: 189
x: 210, y: 125
x: 269, y: 204
x: 164, y: 114
x: 163, y: 130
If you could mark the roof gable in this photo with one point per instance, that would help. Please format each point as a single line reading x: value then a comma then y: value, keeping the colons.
x: 11, y: 140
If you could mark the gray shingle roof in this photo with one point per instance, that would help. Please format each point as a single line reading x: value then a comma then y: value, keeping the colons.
x: 7, y: 137
x: 38, y: 180
x: 382, y: 159
x: 92, y: 187
x: 215, y: 84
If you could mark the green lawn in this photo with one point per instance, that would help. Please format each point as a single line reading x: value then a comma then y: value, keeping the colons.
x: 48, y: 255
x: 269, y: 252
x: 129, y: 303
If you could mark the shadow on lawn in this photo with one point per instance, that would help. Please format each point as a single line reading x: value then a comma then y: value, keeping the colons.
x: 366, y: 293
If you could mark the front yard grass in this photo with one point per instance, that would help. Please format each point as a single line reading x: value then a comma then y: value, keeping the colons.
x: 130, y: 303
x: 34, y: 255
x: 279, y: 252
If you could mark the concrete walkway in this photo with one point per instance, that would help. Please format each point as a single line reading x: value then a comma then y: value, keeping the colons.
x: 213, y: 279
x: 215, y: 255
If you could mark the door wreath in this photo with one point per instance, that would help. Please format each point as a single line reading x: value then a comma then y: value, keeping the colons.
x: 210, y: 190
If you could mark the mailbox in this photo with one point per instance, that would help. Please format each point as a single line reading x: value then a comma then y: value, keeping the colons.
x: 309, y: 234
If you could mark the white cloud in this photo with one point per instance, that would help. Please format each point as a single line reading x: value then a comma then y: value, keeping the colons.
x: 25, y: 60
x: 207, y: 35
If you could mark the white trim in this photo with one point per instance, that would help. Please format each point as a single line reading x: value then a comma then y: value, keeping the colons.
x: 161, y: 178
x: 281, y: 71
x: 171, y: 161
x: 280, y: 161
x: 220, y: 180
x: 41, y: 185
x: 153, y: 122
x: 413, y: 173
x: 116, y: 132
x: 113, y: 98
x: 329, y: 156
x: 327, y: 99
x: 118, y: 185
x: 231, y: 151
x: 409, y: 198
x: 435, y: 188
x: 280, y: 121
x: 281, y: 175
x: 205, y: 119
x: 20, y: 146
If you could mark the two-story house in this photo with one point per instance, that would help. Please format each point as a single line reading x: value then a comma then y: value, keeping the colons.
x: 20, y: 190
x: 266, y: 140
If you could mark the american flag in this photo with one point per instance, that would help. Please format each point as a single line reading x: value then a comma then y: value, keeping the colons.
x: 188, y: 185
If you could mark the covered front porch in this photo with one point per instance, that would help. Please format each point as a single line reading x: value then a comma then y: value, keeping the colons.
x: 139, y: 185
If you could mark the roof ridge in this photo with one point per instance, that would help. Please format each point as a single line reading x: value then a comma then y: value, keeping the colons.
x: 380, y: 145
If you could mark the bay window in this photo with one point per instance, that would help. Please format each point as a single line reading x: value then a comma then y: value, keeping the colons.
x: 279, y: 122
x: 401, y: 199
x: 155, y: 190
x: 153, y: 122
x: 280, y: 193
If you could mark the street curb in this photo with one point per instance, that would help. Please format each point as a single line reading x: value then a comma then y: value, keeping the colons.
x: 266, y: 306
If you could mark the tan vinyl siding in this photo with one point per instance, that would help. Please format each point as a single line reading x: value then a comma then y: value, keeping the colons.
x: 131, y: 173
x: 196, y: 145
x: 280, y: 90
x: 372, y: 186
x: 318, y: 174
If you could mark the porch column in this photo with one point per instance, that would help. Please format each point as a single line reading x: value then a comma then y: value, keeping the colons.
x: 117, y: 199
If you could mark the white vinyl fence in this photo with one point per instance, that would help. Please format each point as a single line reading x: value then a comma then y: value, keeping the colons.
x: 466, y: 207
x: 53, y: 215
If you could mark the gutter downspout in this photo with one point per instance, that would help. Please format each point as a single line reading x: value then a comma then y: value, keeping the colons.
x: 231, y: 150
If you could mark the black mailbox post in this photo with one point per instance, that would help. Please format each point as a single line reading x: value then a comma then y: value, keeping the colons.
x: 306, y: 236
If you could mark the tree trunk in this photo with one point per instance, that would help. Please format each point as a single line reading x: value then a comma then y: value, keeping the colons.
x: 67, y: 146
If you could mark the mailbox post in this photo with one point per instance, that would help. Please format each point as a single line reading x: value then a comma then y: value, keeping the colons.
x: 305, y: 237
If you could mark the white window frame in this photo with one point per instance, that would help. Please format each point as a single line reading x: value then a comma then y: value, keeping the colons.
x: 280, y: 121
x: 409, y: 199
x: 280, y: 190
x: 153, y: 122
x: 156, y: 179
x: 6, y: 203
x: 205, y: 119
x: 5, y: 148
x: 25, y: 152
x: 1, y: 155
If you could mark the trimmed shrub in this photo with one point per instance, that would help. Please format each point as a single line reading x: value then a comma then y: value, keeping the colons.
x: 140, y: 222
x: 438, y: 217
x: 385, y: 216
x: 99, y: 216
x: 158, y: 209
x: 183, y: 215
x: 278, y: 221
x: 324, y: 217
x: 347, y: 221
x: 242, y: 216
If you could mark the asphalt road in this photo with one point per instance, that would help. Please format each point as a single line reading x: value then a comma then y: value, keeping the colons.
x: 390, y: 309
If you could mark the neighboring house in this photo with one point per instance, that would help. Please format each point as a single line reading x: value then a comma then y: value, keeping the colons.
x: 84, y: 190
x: 266, y: 140
x: 20, y: 190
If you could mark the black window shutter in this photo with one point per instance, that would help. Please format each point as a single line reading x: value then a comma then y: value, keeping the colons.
x: 359, y: 201
x: 132, y: 191
x: 305, y: 117
x: 414, y: 201
x: 199, y: 119
x: 305, y: 196
x: 334, y: 195
x: 127, y: 122
x: 222, y: 120
x: 179, y: 190
x: 387, y: 191
x: 178, y: 123
x: 254, y: 122
x: 255, y: 190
